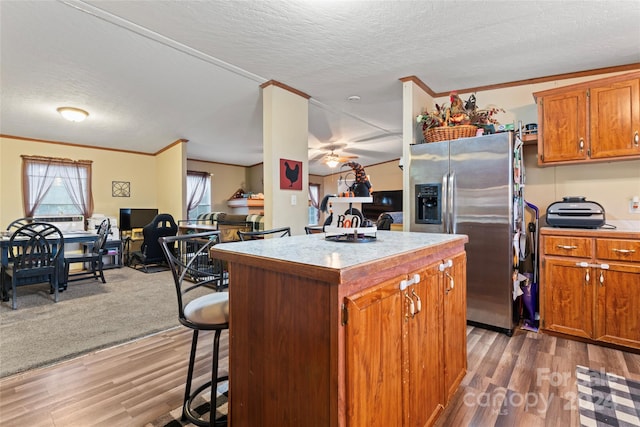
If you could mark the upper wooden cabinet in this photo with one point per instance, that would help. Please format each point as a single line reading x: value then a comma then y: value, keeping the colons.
x: 592, y: 121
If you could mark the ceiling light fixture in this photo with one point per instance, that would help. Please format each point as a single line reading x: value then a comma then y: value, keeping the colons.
x: 332, y: 162
x: 73, y: 114
x: 353, y: 98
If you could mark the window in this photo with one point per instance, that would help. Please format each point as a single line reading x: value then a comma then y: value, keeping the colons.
x: 56, y: 186
x: 198, y: 193
x: 314, y: 211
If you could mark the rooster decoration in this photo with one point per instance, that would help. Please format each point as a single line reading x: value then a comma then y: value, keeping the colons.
x: 292, y: 174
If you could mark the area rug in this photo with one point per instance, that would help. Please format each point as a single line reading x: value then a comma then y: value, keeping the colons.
x: 89, y: 316
x: 201, y: 406
x: 605, y: 399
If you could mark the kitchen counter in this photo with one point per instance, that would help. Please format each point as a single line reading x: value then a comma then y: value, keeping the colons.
x: 623, y: 230
x: 314, y: 250
x: 313, y: 256
x: 295, y: 311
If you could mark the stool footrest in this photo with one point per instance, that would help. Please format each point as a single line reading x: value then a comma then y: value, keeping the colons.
x: 187, y: 413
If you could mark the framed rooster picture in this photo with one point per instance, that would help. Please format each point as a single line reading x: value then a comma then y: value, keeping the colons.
x: 290, y: 175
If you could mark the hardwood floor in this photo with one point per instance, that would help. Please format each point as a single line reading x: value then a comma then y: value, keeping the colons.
x: 527, y: 380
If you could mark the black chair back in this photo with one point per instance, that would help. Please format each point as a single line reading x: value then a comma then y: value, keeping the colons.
x: 191, y: 265
x: 36, y: 245
x: 257, y: 235
x: 15, y: 224
x: 101, y: 241
x: 163, y: 225
x: 34, y: 256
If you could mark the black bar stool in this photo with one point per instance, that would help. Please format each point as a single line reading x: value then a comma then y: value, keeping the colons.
x: 192, y: 268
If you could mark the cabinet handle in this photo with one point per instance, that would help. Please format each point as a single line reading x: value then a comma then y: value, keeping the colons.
x: 624, y: 251
x: 581, y: 144
x: 418, y: 301
x: 570, y: 248
x: 451, y: 281
x: 601, y: 277
x: 636, y: 139
x: 586, y: 277
x: 412, y: 307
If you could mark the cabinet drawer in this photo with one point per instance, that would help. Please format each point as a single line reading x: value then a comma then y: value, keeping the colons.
x: 568, y: 246
x: 618, y: 249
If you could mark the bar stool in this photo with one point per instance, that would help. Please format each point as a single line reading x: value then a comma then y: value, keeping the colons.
x: 192, y: 268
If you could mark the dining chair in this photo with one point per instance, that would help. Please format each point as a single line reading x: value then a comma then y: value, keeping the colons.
x: 93, y: 257
x: 34, y: 254
x: 257, y: 235
x: 314, y: 229
x: 192, y: 269
x: 17, y: 223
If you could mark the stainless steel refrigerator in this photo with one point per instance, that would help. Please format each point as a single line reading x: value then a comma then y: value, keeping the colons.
x: 466, y: 186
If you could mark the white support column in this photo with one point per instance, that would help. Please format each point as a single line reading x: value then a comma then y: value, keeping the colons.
x: 285, y: 136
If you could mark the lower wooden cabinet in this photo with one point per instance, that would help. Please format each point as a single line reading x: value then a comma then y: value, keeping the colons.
x: 590, y: 286
x: 406, y: 346
x: 455, y: 324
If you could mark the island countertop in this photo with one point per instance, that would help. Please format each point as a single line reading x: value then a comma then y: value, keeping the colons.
x: 314, y: 251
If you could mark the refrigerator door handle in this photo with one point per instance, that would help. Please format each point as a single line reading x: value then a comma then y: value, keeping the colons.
x: 452, y: 206
x: 444, y: 203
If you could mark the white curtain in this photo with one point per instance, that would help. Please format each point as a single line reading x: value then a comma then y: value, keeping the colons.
x: 39, y: 173
x: 196, y: 187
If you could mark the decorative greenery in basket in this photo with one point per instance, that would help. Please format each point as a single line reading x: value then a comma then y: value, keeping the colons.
x: 458, y: 120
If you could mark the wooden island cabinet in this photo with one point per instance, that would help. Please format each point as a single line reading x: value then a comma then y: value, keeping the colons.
x: 326, y: 333
x: 590, y: 285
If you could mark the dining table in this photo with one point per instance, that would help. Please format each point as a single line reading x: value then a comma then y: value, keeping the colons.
x: 69, y: 238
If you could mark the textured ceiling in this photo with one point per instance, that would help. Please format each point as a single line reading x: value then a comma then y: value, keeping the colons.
x: 152, y: 72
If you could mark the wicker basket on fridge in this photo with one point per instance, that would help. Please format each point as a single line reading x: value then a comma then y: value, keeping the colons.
x: 445, y: 133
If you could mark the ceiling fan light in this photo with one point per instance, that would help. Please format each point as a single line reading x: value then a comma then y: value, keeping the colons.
x: 332, y: 163
x: 73, y: 114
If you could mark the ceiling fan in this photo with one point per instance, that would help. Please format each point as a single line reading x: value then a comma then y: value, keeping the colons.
x: 332, y: 159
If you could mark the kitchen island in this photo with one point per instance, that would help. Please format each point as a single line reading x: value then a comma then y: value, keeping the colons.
x: 326, y: 333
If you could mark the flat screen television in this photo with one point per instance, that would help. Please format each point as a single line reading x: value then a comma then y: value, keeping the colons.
x: 131, y: 218
x: 383, y: 201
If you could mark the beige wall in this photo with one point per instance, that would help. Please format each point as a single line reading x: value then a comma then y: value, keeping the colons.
x: 225, y: 181
x: 171, y: 181
x: 610, y: 184
x: 108, y: 166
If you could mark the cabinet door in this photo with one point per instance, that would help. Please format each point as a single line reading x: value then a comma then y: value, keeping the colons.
x: 374, y: 356
x: 455, y: 324
x: 424, y: 397
x: 568, y: 297
x: 563, y: 127
x: 618, y: 304
x: 615, y: 119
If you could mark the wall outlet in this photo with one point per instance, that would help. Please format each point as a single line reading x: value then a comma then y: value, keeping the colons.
x: 634, y: 205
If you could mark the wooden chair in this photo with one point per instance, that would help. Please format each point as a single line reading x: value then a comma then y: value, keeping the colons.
x: 191, y: 266
x: 92, y: 257
x: 35, y: 251
x: 257, y: 235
